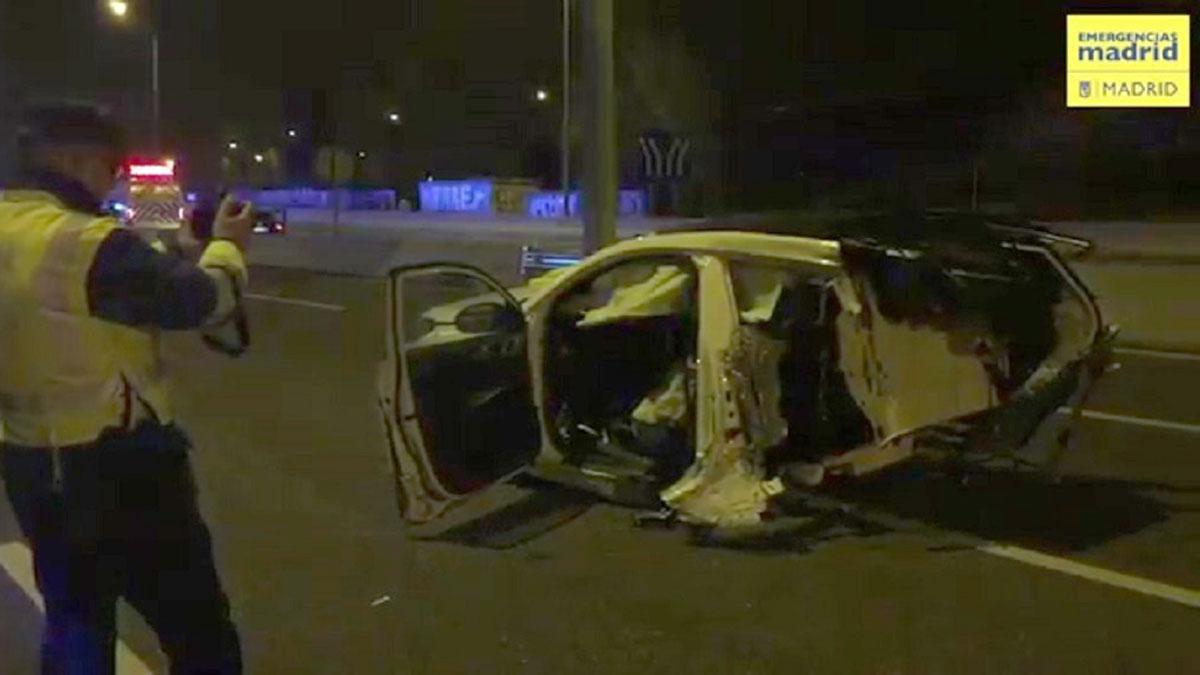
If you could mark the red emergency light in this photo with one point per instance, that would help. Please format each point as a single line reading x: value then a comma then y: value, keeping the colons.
x: 151, y: 172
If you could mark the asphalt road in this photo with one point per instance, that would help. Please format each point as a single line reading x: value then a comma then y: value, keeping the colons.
x: 293, y: 475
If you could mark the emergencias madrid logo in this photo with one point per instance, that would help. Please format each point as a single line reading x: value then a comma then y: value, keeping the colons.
x: 1128, y: 61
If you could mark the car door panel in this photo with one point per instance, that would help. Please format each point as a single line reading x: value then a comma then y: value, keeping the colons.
x: 457, y: 400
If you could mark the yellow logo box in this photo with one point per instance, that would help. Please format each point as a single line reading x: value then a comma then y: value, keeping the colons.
x: 1129, y: 61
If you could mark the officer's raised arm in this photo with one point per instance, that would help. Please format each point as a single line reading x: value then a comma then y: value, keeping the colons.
x: 133, y: 284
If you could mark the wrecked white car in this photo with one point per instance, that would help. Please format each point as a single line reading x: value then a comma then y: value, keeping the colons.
x: 705, y: 373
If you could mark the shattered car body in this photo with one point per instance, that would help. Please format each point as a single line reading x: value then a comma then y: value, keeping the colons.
x: 708, y: 372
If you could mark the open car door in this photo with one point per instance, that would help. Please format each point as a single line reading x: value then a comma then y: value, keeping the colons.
x: 455, y: 391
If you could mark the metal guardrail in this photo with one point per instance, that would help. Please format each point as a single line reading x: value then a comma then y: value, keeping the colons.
x: 535, y: 261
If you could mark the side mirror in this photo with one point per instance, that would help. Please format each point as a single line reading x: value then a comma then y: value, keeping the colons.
x: 489, y: 317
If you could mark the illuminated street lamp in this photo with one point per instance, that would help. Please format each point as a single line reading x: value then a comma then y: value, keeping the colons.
x: 233, y: 145
x: 542, y: 95
x: 394, y: 117
x: 291, y: 133
x: 258, y: 158
x: 362, y: 154
x: 118, y: 8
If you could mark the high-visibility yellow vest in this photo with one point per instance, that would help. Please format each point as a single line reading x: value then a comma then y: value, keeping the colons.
x: 65, y: 376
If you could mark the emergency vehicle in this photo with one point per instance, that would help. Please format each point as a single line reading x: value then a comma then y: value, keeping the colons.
x: 149, y: 199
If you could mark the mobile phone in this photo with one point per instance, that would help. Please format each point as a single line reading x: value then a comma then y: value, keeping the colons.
x: 205, y: 214
x: 201, y: 224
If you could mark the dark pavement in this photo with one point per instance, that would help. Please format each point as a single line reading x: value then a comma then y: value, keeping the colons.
x: 294, y: 480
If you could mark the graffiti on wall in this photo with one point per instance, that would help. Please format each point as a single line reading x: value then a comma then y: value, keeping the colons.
x: 457, y: 196
x: 550, y: 204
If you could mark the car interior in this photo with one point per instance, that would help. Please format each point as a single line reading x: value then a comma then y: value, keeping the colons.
x: 1010, y: 293
x: 602, y: 376
x: 471, y: 390
x: 821, y: 416
x: 613, y: 341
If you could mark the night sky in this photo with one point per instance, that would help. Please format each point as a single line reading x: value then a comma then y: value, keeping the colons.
x: 227, y: 63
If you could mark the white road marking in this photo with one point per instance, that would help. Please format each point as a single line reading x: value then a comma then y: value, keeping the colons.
x: 1156, y: 589
x: 16, y: 559
x: 297, y: 302
x: 1138, y: 421
x: 1157, y: 354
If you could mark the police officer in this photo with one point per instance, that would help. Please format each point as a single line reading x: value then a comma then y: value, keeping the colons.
x: 96, y: 471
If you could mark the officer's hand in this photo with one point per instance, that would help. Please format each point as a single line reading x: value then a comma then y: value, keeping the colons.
x: 234, y: 224
x: 187, y: 242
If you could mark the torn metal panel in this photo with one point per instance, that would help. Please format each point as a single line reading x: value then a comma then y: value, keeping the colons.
x: 1027, y: 430
x: 869, y: 459
x: 664, y: 293
x: 758, y: 290
x: 1077, y: 327
x: 907, y: 376
x: 752, y: 369
x: 731, y: 494
x: 726, y: 483
x: 726, y: 486
x: 668, y: 404
x: 847, y: 295
x: 1073, y: 339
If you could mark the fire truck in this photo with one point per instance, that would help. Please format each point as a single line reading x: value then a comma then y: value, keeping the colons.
x: 149, y: 199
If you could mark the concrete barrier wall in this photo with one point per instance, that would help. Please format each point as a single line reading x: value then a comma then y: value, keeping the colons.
x: 497, y: 255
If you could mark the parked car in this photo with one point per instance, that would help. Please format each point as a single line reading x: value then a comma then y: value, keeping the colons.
x: 269, y: 221
x: 266, y: 220
x: 708, y: 372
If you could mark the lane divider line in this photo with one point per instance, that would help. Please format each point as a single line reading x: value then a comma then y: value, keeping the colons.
x: 1155, y: 589
x: 1158, y: 354
x: 297, y: 302
x: 1138, y: 421
x: 17, y: 560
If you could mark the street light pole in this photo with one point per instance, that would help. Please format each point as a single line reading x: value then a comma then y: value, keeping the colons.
x: 120, y: 11
x: 156, y: 91
x: 565, y: 152
x: 600, y: 149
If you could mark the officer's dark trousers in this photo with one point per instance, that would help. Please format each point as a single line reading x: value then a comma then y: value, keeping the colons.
x: 121, y: 522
